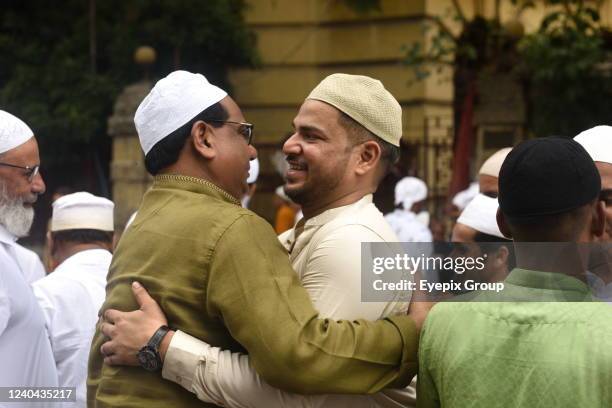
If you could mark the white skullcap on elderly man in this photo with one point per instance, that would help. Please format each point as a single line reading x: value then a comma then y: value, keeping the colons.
x: 366, y: 101
x: 13, y: 132
x: 173, y: 101
x: 597, y: 142
x: 82, y: 210
x: 481, y: 215
x: 410, y: 190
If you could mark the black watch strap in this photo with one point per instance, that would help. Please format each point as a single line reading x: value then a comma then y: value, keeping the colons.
x: 157, y: 337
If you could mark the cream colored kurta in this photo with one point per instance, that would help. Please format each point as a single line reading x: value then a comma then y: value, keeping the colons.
x: 325, y: 253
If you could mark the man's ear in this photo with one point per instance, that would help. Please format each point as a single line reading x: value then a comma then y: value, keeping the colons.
x: 369, y: 156
x: 202, y: 139
x: 598, y: 226
x: 501, y: 256
x: 503, y: 225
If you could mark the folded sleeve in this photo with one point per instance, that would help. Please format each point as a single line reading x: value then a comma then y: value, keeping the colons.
x: 227, y: 379
x: 253, y: 288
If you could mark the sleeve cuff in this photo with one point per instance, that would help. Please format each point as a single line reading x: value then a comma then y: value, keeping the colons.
x: 410, y: 337
x: 185, y: 353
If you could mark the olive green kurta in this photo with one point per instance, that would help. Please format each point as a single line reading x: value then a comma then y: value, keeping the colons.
x: 219, y: 273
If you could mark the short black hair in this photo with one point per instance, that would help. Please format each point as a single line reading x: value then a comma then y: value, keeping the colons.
x: 166, y: 151
x: 82, y: 236
x: 390, y: 154
x: 491, y: 244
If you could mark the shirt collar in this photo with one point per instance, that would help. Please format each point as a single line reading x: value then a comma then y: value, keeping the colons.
x: 332, y: 213
x: 194, y: 184
x: 6, y: 236
x: 546, y: 280
x: 95, y: 256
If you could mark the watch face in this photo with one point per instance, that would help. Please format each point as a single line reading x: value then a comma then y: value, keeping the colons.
x: 148, y: 358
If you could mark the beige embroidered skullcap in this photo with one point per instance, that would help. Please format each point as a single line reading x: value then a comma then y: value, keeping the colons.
x: 13, y: 132
x: 597, y: 142
x: 492, y: 165
x: 366, y: 101
x: 82, y: 210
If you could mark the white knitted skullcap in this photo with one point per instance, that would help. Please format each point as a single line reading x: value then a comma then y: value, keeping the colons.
x: 366, y: 101
x: 82, y: 211
x: 173, y: 101
x: 597, y: 142
x: 13, y: 132
x: 481, y: 214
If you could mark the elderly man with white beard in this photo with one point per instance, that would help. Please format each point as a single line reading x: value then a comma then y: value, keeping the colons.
x: 25, y: 350
x: 16, y: 212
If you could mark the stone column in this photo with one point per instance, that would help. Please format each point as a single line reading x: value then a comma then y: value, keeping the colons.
x: 129, y: 177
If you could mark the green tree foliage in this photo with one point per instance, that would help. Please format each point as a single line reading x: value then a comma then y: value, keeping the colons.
x: 49, y: 78
x: 564, y: 64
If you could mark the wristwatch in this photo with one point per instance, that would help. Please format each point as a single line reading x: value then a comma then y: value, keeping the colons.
x: 148, y: 356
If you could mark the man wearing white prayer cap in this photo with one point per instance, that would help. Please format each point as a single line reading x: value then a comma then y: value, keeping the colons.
x: 478, y: 224
x: 477, y: 217
x: 597, y: 141
x: 488, y: 175
x: 410, y: 192
x: 80, y: 243
x: 217, y: 268
x: 24, y: 344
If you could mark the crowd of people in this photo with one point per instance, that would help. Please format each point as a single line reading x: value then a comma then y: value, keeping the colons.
x: 201, y: 303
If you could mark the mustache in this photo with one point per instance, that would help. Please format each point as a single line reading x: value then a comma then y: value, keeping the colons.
x: 294, y: 159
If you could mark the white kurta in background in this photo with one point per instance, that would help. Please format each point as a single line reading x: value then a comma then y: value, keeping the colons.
x: 408, y: 227
x: 70, y: 299
x: 25, y: 351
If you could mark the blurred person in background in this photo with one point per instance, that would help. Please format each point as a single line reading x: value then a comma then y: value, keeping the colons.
x: 80, y: 243
x: 410, y: 195
x: 286, y: 211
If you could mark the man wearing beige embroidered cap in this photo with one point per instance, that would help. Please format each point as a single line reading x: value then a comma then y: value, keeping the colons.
x: 217, y: 269
x: 488, y: 176
x: 80, y: 242
x: 25, y: 351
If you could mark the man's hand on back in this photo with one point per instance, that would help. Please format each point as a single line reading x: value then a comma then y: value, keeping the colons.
x: 130, y: 331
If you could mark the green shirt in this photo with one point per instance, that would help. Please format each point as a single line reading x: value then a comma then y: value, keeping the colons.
x: 220, y: 274
x: 554, y: 352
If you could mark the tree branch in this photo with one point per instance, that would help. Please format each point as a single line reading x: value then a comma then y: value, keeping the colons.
x: 459, y: 11
x: 442, y: 27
